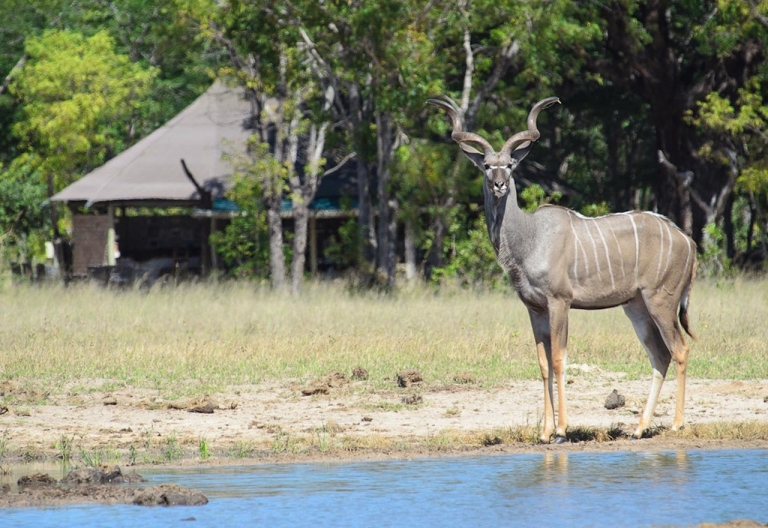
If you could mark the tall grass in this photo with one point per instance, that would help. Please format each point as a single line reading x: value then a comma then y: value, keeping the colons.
x: 207, y: 335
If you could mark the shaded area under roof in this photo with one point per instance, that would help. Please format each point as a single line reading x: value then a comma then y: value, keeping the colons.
x: 150, y: 172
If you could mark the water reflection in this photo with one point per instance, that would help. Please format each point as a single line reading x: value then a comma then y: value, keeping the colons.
x: 555, y: 463
x: 10, y: 475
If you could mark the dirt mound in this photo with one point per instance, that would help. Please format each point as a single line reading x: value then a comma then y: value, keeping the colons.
x: 95, y: 485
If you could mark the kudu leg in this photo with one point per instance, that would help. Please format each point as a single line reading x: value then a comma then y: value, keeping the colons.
x: 558, y: 327
x: 540, y: 325
x: 663, y: 312
x: 649, y: 335
x: 550, y: 330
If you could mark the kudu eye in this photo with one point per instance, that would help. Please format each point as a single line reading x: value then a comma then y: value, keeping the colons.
x: 486, y: 166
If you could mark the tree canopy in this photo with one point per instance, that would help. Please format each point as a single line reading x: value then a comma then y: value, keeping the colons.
x: 664, y: 108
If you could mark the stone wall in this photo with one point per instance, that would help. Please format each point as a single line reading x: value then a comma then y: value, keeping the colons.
x: 90, y: 242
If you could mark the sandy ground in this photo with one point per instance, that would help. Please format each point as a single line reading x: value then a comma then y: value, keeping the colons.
x: 256, y: 416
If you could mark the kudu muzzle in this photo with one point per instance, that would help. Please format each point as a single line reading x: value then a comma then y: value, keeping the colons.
x: 499, y: 179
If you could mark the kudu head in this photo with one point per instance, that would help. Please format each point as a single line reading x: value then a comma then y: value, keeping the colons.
x: 497, y: 166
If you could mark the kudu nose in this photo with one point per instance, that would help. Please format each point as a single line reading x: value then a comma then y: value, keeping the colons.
x: 499, y: 188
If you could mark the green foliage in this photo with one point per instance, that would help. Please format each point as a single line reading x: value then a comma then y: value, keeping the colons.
x: 24, y: 223
x: 713, y: 260
x: 745, y: 122
x: 344, y: 248
x: 244, y: 243
x: 534, y: 196
x: 76, y: 95
x: 99, y: 75
x: 173, y: 450
x: 204, y: 449
x: 473, y: 261
x: 596, y: 209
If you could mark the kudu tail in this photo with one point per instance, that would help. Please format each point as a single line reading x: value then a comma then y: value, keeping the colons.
x: 683, y: 313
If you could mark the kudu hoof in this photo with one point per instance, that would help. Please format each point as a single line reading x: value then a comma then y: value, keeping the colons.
x: 560, y: 439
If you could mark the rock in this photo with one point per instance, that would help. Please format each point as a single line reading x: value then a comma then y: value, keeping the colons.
x: 80, y: 476
x: 614, y: 400
x: 408, y: 377
x: 204, y: 407
x: 102, y: 475
x: 316, y: 387
x: 359, y: 373
x: 38, y: 480
x: 95, y: 485
x: 413, y: 399
x: 168, y: 495
x: 465, y: 378
x: 334, y: 380
x: 367, y: 419
x: 109, y: 400
x: 737, y: 523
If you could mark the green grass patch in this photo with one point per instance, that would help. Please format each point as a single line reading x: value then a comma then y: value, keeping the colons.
x: 198, y: 338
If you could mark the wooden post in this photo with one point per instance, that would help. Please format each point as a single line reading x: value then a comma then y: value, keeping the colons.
x: 205, y: 250
x: 214, y: 257
x: 111, y: 259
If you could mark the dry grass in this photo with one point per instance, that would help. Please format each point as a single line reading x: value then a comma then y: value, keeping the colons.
x: 747, y: 431
x: 195, y: 338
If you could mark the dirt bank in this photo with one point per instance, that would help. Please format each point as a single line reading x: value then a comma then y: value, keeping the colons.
x: 345, y: 419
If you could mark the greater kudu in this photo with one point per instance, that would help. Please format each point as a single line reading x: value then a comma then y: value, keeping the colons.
x: 559, y: 259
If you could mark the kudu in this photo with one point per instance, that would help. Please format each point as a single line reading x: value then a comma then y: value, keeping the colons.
x: 559, y: 259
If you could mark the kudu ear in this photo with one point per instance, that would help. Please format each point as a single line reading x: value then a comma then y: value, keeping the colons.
x: 474, y: 155
x: 521, y: 152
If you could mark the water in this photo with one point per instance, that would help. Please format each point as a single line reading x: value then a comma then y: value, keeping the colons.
x: 567, y: 489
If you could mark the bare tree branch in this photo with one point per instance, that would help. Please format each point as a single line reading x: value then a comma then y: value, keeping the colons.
x: 468, y: 71
x: 8, y: 78
x: 426, y: 9
x: 340, y: 164
x: 755, y: 13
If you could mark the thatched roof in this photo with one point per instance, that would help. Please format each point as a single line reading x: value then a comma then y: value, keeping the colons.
x: 150, y: 172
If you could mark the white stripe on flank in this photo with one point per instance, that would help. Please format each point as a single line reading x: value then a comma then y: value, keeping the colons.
x: 637, y: 244
x: 583, y: 251
x: 618, y: 246
x: 661, y: 249
x: 594, y: 249
x: 669, y: 251
x: 575, y: 250
x: 688, y: 245
x: 607, y: 257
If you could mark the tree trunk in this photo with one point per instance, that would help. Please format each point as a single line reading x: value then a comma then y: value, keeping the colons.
x: 54, y: 213
x: 276, y: 256
x: 410, y: 252
x: 435, y: 255
x: 300, y: 223
x: 367, y: 228
x: 728, y: 229
x: 387, y: 227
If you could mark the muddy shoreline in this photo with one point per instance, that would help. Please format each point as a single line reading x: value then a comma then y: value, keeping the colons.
x: 349, y: 419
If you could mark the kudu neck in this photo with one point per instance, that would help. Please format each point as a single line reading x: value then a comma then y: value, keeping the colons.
x: 504, y: 214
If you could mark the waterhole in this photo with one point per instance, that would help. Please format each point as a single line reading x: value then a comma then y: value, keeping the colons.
x: 679, y: 488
